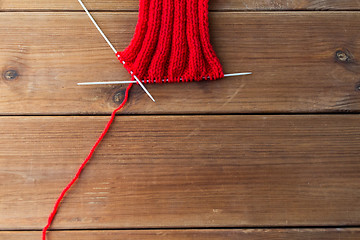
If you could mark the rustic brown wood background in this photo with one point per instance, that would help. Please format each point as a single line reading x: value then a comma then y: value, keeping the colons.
x: 274, y: 155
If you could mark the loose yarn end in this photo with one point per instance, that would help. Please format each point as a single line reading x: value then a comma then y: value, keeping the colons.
x: 81, y: 168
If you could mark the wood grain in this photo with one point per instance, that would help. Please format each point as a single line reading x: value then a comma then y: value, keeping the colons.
x: 218, y: 5
x: 250, y: 234
x: 182, y: 171
x: 291, y: 54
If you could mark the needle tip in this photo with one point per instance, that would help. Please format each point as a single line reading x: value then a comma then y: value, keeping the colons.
x: 151, y: 98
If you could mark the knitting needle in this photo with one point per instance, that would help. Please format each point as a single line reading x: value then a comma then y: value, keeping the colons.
x: 164, y: 80
x: 111, y: 46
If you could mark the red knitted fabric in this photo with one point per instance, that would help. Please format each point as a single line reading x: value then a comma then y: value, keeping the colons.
x: 172, y: 43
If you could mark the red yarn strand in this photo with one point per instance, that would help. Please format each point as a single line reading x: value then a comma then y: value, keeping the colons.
x: 57, y: 203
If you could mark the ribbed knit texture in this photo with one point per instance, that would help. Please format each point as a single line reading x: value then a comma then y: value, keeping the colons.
x: 172, y: 43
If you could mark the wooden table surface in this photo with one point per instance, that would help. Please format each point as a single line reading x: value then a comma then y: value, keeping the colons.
x: 273, y: 156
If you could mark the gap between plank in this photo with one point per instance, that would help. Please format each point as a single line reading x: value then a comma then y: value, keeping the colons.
x: 355, y: 227
x: 210, y: 11
x: 182, y: 114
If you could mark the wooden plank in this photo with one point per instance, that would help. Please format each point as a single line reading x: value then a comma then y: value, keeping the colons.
x: 291, y: 54
x: 182, y: 171
x: 222, y: 5
x: 233, y: 234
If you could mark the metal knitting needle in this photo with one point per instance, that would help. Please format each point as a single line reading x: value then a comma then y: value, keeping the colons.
x: 164, y: 80
x: 112, y: 47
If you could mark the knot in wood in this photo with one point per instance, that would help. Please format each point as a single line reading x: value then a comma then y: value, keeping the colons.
x: 342, y: 56
x: 357, y: 87
x: 119, y: 97
x: 10, y: 75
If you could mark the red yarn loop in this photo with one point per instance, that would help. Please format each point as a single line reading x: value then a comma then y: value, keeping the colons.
x: 58, y: 201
